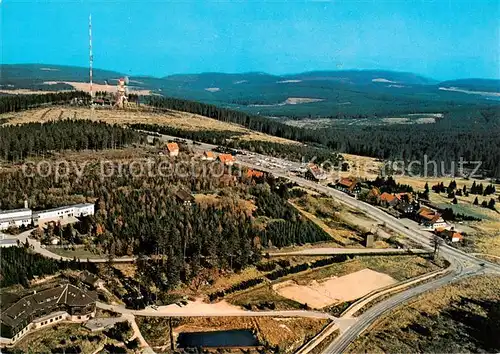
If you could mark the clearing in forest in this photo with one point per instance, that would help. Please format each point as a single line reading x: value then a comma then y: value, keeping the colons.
x: 335, y: 289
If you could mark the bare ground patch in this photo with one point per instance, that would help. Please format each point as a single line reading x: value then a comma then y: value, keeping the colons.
x: 334, y: 290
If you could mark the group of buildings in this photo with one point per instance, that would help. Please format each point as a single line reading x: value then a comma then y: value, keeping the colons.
x: 401, y: 202
x: 172, y: 150
x: 429, y: 219
x: 27, y: 217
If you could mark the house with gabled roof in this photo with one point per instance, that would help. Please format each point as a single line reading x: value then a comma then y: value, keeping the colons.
x: 450, y: 235
x: 208, y: 156
x: 184, y: 196
x: 348, y: 185
x: 431, y: 219
x: 226, y: 159
x: 315, y: 173
x: 254, y: 173
x: 388, y: 199
x: 173, y: 149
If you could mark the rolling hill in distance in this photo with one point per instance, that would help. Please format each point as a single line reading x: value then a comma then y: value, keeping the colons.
x: 332, y: 94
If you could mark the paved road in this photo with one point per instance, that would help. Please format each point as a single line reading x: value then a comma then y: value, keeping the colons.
x: 37, y: 247
x: 326, y: 251
x: 208, y: 310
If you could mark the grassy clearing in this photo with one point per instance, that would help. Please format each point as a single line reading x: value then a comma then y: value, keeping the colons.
x: 177, y: 119
x: 262, y: 294
x: 224, y: 280
x: 62, y: 336
x: 398, y: 267
x: 345, y: 226
x: 482, y: 236
x: 460, y: 317
x: 79, y: 253
x: 326, y: 213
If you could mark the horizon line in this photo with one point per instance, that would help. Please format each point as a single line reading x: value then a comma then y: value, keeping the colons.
x: 257, y: 72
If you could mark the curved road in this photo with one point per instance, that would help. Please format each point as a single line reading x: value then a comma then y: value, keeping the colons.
x: 38, y: 248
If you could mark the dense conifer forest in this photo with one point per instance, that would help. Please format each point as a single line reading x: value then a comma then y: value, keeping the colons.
x: 18, y: 265
x: 34, y: 139
x: 15, y: 103
x: 143, y: 215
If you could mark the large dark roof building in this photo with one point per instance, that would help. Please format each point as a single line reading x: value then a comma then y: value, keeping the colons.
x: 63, y: 302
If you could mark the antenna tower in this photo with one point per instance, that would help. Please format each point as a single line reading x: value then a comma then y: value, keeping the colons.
x: 91, y: 57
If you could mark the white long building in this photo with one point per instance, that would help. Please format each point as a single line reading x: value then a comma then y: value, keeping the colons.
x: 25, y: 216
x: 15, y: 218
x: 63, y: 212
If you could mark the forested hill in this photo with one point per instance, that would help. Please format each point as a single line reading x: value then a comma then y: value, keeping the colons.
x: 343, y: 93
x: 481, y: 85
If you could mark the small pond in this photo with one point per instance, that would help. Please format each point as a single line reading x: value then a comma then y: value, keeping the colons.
x: 218, y: 339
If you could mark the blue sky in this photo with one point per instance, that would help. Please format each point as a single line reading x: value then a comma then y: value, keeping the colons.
x: 443, y: 39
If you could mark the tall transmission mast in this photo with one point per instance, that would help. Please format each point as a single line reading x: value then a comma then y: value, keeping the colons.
x: 91, y: 57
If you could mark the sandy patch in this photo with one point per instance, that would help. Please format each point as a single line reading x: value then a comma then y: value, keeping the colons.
x: 290, y: 100
x: 469, y: 92
x: 426, y: 120
x: 299, y: 100
x: 288, y: 81
x: 336, y: 289
x: 85, y: 86
x: 197, y: 307
x: 383, y: 80
x: 434, y: 115
x: 396, y: 120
